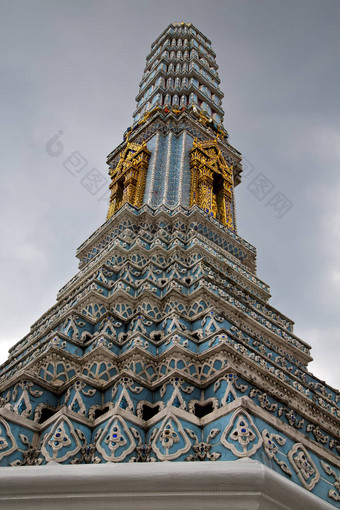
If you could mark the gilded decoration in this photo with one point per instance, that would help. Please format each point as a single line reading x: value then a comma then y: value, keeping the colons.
x: 164, y: 346
x: 128, y: 177
x: 211, y: 182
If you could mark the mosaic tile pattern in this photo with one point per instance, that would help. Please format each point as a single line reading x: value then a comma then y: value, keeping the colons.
x: 164, y: 346
x: 168, y: 179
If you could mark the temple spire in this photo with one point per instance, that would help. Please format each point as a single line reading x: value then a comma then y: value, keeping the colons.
x: 164, y: 345
x: 179, y: 101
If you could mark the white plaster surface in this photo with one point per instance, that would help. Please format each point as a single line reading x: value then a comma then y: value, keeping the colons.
x: 244, y: 484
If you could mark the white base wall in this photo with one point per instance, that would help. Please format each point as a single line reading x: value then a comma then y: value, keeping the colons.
x: 244, y: 484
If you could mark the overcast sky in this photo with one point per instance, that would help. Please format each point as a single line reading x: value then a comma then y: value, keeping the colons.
x: 74, y: 66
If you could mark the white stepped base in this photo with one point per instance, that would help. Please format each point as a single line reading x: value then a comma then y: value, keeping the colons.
x: 239, y: 485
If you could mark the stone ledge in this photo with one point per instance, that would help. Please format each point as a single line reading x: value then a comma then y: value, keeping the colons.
x: 244, y: 484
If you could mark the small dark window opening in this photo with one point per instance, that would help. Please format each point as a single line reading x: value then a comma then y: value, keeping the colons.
x: 120, y: 192
x: 149, y: 412
x: 100, y: 412
x: 45, y: 414
x: 218, y: 194
x: 203, y: 410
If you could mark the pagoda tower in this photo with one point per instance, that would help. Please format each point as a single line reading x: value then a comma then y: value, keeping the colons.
x: 164, y: 347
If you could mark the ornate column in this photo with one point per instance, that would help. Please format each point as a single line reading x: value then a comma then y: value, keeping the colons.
x: 129, y: 176
x: 211, y: 181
